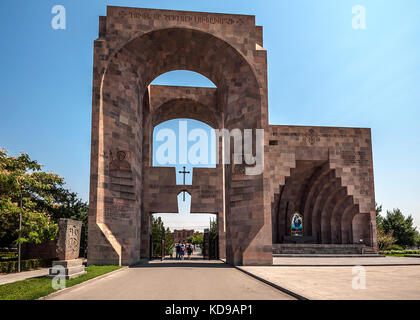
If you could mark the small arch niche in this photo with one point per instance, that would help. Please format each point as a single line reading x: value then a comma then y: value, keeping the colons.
x: 184, y: 203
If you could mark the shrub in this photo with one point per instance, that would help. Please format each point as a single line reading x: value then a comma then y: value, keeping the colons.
x: 395, y: 247
x: 12, y: 266
x: 399, y: 252
x: 385, y: 240
x: 8, y: 255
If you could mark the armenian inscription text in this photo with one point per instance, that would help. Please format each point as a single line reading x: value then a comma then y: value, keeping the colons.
x: 180, y: 18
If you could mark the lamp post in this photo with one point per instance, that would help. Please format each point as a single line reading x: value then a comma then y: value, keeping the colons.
x: 210, y: 240
x: 20, y: 231
x: 163, y: 244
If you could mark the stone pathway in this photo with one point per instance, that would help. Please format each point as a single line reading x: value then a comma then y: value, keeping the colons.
x: 13, y: 277
x: 344, y: 261
x: 396, y: 282
x: 176, y: 280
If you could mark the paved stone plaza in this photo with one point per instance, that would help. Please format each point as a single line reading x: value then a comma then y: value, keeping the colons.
x: 201, y: 280
x: 334, y: 282
x: 343, y: 261
x: 176, y: 280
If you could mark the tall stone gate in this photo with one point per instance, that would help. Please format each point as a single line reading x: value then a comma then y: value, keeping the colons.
x: 324, y: 173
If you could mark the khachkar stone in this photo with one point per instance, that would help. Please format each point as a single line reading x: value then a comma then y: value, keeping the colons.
x: 68, y: 245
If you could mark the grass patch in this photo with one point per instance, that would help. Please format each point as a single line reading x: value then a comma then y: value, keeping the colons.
x: 399, y: 253
x: 394, y: 255
x: 92, y: 272
x: 31, y: 289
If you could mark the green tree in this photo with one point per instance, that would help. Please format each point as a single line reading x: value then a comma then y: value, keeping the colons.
x: 385, y: 240
x: 22, y: 178
x: 36, y: 226
x: 418, y: 240
x: 196, y: 239
x: 157, y: 230
x: 67, y: 205
x: 213, y: 229
x: 44, y: 201
x: 213, y: 238
x: 400, y: 227
x: 169, y: 241
x: 379, y: 218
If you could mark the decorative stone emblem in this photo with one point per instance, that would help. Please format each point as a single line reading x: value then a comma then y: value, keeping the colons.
x: 119, y: 160
x: 238, y: 169
x: 312, y: 136
x: 73, y: 236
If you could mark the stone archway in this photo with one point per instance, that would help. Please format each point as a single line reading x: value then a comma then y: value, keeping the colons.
x: 168, y: 103
x: 128, y: 55
x: 334, y: 190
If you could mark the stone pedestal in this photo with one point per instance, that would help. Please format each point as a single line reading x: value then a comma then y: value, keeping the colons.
x: 68, y: 269
x: 68, y: 266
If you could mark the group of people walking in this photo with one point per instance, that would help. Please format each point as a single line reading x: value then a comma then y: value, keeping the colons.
x: 181, y: 250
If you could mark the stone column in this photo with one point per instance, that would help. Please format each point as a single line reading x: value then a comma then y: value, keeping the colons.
x: 146, y: 231
x: 222, y: 236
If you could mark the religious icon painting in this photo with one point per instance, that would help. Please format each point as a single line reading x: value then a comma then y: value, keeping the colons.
x: 297, y: 224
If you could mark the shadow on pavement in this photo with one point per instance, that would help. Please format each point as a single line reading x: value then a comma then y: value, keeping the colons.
x: 183, y: 264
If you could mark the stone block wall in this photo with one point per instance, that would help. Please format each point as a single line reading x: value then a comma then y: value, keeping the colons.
x: 137, y: 45
x: 337, y: 163
x: 44, y: 250
x: 134, y: 47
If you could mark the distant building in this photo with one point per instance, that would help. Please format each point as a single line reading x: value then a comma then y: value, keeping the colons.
x: 182, y: 235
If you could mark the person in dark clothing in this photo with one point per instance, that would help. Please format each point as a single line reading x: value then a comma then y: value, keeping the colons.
x: 182, y: 251
x: 189, y: 251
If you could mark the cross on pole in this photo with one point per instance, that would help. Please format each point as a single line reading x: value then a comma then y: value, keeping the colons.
x: 184, y: 173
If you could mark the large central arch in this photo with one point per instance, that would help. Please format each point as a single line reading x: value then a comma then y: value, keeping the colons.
x: 324, y: 173
x: 122, y: 123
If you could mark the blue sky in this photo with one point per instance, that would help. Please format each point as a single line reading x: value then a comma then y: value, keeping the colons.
x: 321, y: 72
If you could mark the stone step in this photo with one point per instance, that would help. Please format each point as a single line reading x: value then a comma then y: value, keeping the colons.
x: 67, y: 271
x: 328, y: 255
x: 68, y: 263
x: 312, y: 249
